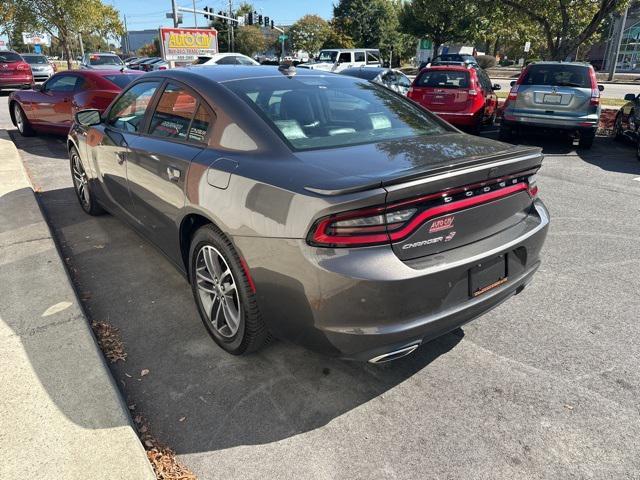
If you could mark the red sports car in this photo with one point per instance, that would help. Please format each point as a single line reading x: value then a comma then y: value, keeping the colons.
x: 50, y: 107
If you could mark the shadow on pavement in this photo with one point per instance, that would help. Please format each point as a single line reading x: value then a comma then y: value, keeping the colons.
x: 223, y: 401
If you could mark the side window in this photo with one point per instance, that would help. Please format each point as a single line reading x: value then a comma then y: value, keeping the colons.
x: 200, y: 125
x: 358, y: 57
x: 230, y: 60
x: 485, y: 81
x: 372, y: 58
x: 345, y: 57
x: 63, y: 83
x: 244, y: 61
x: 129, y: 110
x: 173, y: 114
x: 404, y: 81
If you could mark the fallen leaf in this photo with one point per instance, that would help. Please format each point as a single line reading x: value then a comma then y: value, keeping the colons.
x: 127, y: 375
x: 143, y: 429
x: 569, y: 407
x: 145, y: 371
x: 137, y: 419
x: 182, y: 419
x: 132, y: 406
x: 148, y: 443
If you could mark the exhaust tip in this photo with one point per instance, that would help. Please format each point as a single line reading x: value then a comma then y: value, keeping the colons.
x: 394, y: 355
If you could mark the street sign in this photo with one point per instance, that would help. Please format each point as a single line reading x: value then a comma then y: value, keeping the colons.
x: 282, y: 38
x: 36, y: 38
x: 527, y: 47
x: 37, y: 48
x: 187, y: 44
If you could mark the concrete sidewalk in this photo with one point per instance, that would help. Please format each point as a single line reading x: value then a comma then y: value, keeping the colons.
x: 61, y: 414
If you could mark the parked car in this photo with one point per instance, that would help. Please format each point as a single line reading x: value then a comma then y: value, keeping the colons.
x: 14, y: 71
x: 225, y: 59
x: 392, y: 79
x: 451, y: 57
x: 101, y: 61
x: 49, y: 107
x: 338, y: 59
x: 460, y: 94
x: 558, y: 96
x: 128, y: 60
x: 135, y: 64
x: 627, y: 121
x: 41, y: 68
x: 160, y: 65
x: 146, y: 65
x: 323, y: 209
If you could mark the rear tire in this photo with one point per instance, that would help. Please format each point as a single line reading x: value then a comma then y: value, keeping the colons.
x: 81, y: 185
x: 586, y: 139
x: 617, y: 128
x: 22, y: 122
x: 223, y: 293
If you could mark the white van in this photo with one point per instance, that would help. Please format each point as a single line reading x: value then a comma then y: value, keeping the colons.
x: 338, y: 59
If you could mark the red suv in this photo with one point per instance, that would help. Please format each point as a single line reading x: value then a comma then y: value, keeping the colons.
x: 462, y: 95
x: 14, y: 71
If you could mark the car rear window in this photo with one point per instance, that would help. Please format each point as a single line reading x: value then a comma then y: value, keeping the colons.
x: 9, y: 57
x: 104, y: 60
x: 121, y: 81
x: 312, y: 112
x: 560, y: 75
x: 35, y: 59
x: 443, y: 79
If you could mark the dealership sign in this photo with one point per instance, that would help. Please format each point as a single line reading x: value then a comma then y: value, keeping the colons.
x: 187, y: 44
x: 36, y: 38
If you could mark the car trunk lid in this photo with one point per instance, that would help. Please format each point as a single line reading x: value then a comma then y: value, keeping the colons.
x: 443, y: 90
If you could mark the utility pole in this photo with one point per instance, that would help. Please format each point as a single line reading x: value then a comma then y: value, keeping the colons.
x: 615, y: 51
x: 174, y: 9
x: 230, y: 33
x: 81, y: 44
x: 195, y: 16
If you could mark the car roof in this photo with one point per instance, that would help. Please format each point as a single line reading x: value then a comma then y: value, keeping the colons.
x: 549, y: 62
x: 457, y: 68
x: 32, y: 54
x: 227, y: 73
x: 356, y: 70
x: 104, y: 73
x: 352, y: 49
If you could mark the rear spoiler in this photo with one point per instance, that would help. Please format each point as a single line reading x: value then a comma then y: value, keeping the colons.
x: 474, y: 170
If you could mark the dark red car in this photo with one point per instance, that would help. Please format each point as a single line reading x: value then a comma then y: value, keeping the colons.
x: 460, y: 94
x: 50, y: 107
x: 14, y: 71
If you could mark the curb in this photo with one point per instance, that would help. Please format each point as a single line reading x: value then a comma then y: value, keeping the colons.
x: 63, y: 415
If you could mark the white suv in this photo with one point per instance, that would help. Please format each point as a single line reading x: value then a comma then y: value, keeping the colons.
x: 338, y: 59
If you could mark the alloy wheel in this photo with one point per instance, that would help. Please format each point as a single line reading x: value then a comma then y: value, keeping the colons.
x: 218, y: 291
x: 80, y: 181
x: 17, y: 114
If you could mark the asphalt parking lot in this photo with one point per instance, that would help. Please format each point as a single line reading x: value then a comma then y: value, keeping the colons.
x: 546, y: 386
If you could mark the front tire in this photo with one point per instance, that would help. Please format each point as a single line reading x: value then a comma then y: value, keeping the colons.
x: 223, y: 293
x: 81, y: 185
x: 22, y: 123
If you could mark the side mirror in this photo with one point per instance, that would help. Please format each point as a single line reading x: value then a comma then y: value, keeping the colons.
x: 601, y: 87
x: 629, y: 97
x: 88, y: 118
x: 38, y: 87
x: 496, y: 86
x: 513, y: 82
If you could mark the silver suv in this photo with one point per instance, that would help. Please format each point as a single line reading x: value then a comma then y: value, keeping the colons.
x: 554, y: 95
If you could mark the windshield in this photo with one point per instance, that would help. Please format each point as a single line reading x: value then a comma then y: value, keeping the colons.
x: 443, y: 79
x: 104, y: 60
x: 9, y: 57
x: 320, y: 112
x: 560, y: 75
x: 35, y: 59
x: 328, y: 56
x: 121, y: 81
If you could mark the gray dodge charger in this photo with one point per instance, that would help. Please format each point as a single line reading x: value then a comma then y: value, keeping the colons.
x: 317, y: 208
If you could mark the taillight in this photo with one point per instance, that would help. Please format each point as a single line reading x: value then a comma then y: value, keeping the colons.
x: 383, y: 225
x: 473, y: 92
x: 162, y: 68
x: 513, y: 93
x: 595, y: 92
x: 23, y: 66
x: 532, y: 186
x: 410, y: 90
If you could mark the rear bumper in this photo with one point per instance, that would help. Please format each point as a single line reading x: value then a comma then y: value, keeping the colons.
x: 16, y: 81
x: 515, y: 117
x: 361, y: 303
x: 463, y: 119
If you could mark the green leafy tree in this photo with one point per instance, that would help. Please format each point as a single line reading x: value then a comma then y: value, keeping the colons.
x: 396, y: 45
x: 564, y: 24
x: 249, y: 40
x: 364, y: 21
x: 439, y: 20
x: 64, y: 19
x: 309, y: 34
x: 150, y: 49
x: 337, y: 38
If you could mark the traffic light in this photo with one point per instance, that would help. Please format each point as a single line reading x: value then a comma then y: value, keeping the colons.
x: 250, y: 18
x: 272, y: 25
x: 207, y: 16
x: 266, y: 20
x: 260, y: 20
x: 223, y: 20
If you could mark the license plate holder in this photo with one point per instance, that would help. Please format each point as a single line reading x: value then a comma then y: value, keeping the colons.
x: 487, y: 275
x: 552, y: 98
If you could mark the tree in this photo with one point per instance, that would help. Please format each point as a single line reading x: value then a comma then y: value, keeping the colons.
x: 249, y: 40
x: 337, y: 38
x: 65, y: 19
x: 394, y: 44
x: 439, y: 20
x: 309, y: 34
x: 565, y: 24
x: 365, y: 21
x: 150, y: 49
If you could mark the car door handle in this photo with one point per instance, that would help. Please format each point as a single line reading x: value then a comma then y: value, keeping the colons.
x: 174, y: 174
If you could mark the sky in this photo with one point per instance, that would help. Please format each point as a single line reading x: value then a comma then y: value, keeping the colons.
x: 143, y: 14
x: 146, y: 14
